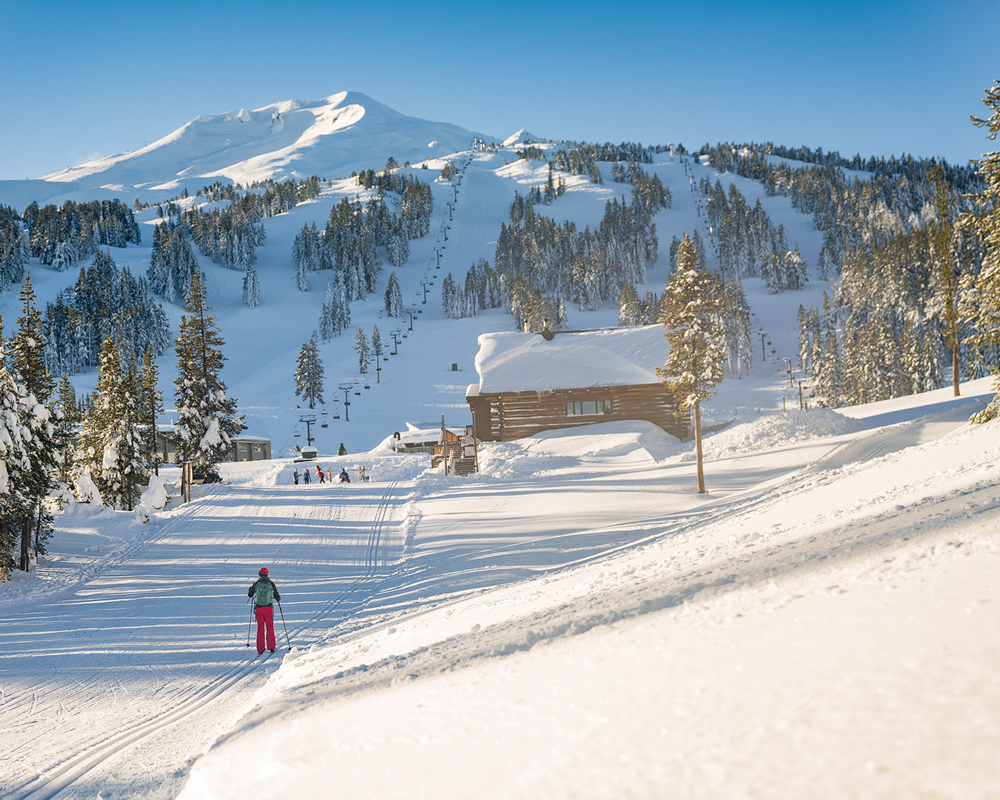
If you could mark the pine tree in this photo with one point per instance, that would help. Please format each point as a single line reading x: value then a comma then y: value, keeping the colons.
x: 449, y: 298
x: 152, y: 406
x: 27, y: 363
x: 206, y: 419
x: 364, y: 354
x: 309, y: 374
x: 251, y: 288
x: 27, y: 348
x: 984, y: 313
x: 302, y: 274
x: 16, y: 494
x: 795, y: 269
x: 119, y: 391
x: 393, y: 298
x: 326, y: 328
x: 629, y: 307
x: 68, y: 416
x: 694, y: 366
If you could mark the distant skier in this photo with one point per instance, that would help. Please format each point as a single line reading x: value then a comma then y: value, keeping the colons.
x: 295, y: 477
x: 344, y: 477
x: 320, y: 474
x: 264, y: 593
x: 305, y: 476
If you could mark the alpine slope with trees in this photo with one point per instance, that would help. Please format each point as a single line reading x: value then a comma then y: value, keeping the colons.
x: 875, y: 271
x: 752, y: 294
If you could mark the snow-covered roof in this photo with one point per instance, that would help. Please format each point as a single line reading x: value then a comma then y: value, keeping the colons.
x: 520, y: 362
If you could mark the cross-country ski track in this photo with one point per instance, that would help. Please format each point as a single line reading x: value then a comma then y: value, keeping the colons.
x: 167, y: 635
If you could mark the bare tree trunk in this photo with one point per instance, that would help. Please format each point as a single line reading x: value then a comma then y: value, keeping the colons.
x: 954, y: 371
x: 25, y: 544
x: 697, y: 447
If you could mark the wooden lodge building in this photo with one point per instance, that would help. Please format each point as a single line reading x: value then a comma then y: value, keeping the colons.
x: 530, y: 382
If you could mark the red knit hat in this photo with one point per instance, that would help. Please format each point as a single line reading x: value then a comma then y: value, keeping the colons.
x: 263, y: 572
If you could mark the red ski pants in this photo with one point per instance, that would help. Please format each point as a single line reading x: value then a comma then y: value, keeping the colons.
x: 265, y: 619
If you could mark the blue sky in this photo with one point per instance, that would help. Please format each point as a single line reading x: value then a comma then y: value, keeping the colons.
x: 85, y: 79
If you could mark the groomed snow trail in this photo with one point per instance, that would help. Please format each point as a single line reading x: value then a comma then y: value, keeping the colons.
x: 152, y: 642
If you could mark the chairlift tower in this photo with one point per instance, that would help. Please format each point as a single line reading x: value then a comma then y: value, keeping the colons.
x: 345, y: 388
x: 309, y: 420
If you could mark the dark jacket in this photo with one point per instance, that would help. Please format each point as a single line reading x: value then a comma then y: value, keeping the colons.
x: 253, y: 588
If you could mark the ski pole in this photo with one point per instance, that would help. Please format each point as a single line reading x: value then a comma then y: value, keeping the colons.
x: 283, y: 625
x: 249, y: 624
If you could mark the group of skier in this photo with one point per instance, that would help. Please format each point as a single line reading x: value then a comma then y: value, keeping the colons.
x: 307, y: 478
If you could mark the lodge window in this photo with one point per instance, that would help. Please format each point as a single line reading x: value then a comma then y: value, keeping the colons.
x: 588, y: 408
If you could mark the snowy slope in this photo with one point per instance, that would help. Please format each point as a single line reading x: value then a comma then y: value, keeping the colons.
x: 575, y: 621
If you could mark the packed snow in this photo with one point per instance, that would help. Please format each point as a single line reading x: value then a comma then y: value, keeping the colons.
x: 573, y: 621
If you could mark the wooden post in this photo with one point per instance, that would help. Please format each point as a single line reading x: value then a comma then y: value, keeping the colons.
x: 444, y: 443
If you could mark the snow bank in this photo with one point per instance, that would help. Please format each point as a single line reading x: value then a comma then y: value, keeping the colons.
x: 154, y: 498
x: 778, y: 430
x: 87, y: 490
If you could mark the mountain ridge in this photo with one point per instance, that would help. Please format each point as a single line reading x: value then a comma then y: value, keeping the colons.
x: 330, y: 137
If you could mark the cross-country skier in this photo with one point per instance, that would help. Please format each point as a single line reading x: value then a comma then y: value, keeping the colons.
x: 264, y: 593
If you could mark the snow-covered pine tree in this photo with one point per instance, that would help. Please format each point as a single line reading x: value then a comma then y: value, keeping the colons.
x: 309, y: 374
x: 251, y: 288
x: 448, y: 294
x: 984, y: 220
x: 152, y: 407
x: 326, y: 329
x: 27, y: 363
x: 361, y: 347
x: 341, y: 305
x: 16, y: 495
x: 795, y: 269
x: 629, y: 307
x: 68, y: 416
x: 393, y: 298
x: 469, y: 305
x: 735, y: 327
x: 27, y: 348
x: 694, y: 365
x: 122, y: 466
x: 398, y: 246
x: 301, y: 273
x: 206, y: 418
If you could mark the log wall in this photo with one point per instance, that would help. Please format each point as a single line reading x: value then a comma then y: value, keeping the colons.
x: 505, y: 417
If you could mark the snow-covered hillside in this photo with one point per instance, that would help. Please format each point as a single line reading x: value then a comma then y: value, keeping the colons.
x: 417, y: 384
x: 575, y: 621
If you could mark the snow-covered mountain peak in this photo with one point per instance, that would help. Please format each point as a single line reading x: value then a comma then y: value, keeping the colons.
x: 344, y: 132
x: 522, y: 135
